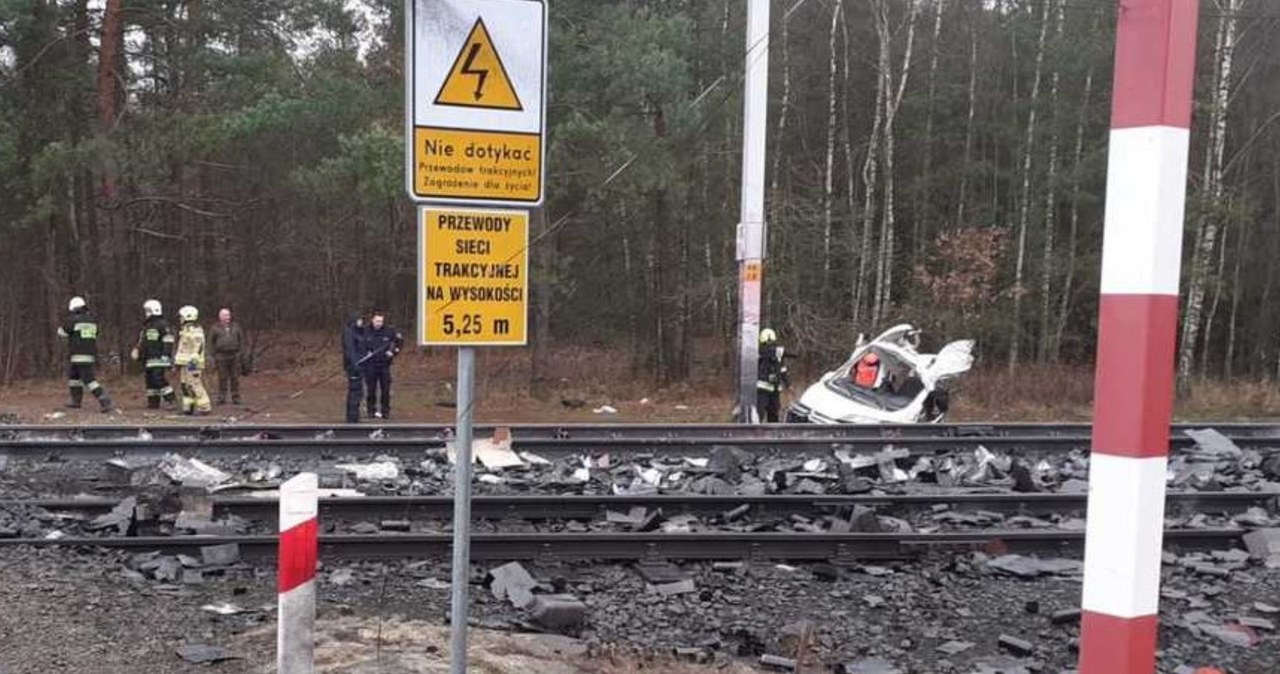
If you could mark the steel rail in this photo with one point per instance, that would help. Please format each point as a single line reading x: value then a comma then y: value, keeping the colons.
x: 558, y: 447
x: 550, y: 548
x: 542, y: 507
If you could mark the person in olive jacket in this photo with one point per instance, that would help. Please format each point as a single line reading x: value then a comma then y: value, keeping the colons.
x: 226, y: 341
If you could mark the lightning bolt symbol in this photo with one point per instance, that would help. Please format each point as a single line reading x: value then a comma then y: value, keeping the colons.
x: 481, y: 74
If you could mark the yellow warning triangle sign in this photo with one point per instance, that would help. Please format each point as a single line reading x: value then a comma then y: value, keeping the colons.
x: 478, y: 79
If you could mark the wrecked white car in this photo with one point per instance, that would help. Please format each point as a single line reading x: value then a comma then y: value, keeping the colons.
x: 886, y: 381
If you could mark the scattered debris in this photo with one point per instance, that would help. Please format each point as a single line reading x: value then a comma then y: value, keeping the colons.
x: 605, y: 409
x: 511, y: 582
x: 342, y: 577
x: 223, y: 608
x: 192, y: 472
x: 371, y: 472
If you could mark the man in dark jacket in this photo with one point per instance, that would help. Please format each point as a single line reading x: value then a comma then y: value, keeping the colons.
x: 383, y: 344
x: 226, y: 341
x: 155, y: 350
x: 81, y: 332
x: 354, y: 355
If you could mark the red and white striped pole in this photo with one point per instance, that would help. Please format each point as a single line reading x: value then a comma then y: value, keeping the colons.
x: 295, y: 631
x: 1137, y: 328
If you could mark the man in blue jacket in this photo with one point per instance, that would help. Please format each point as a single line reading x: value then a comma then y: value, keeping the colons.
x: 383, y: 343
x: 354, y: 355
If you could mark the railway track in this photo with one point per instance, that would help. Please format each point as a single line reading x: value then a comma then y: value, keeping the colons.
x: 654, y: 547
x: 95, y: 443
x: 529, y: 507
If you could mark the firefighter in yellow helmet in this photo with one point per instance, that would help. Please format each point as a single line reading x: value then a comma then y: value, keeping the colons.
x: 189, y: 360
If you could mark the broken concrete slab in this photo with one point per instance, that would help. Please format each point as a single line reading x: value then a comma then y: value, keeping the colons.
x: 511, y: 582
x: 203, y: 654
x: 953, y: 648
x: 121, y: 518
x: 559, y: 612
x: 1032, y: 567
x: 1263, y: 544
x: 1065, y: 616
x: 672, y: 589
x: 778, y: 662
x: 868, y: 666
x: 1262, y: 607
x: 1214, y: 444
x: 1019, y: 647
x: 1257, y: 623
x: 220, y: 555
x: 1232, y: 634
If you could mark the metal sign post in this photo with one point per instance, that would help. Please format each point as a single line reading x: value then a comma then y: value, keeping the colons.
x: 461, y: 577
x: 475, y: 86
x: 751, y: 230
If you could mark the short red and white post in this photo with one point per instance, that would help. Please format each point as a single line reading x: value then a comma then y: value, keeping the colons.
x: 295, y: 633
x: 1137, y: 329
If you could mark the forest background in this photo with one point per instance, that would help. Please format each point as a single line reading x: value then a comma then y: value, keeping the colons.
x: 941, y: 162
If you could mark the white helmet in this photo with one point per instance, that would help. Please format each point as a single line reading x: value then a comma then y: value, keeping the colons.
x: 189, y: 314
x: 76, y: 303
x: 768, y: 336
x: 152, y: 308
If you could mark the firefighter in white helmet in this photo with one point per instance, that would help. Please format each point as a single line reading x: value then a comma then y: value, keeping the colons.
x: 189, y: 360
x: 80, y: 329
x: 155, y: 350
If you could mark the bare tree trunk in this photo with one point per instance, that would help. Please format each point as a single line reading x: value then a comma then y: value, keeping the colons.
x: 870, y: 175
x: 1050, y: 207
x: 1212, y: 315
x: 884, y: 269
x: 1228, y: 369
x: 1212, y: 188
x: 920, y: 229
x: 1024, y: 212
x: 968, y: 125
x: 1073, y: 236
x: 828, y: 186
x: 784, y: 110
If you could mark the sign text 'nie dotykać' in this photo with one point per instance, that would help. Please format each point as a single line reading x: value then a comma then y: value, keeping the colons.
x: 474, y: 276
x: 475, y: 90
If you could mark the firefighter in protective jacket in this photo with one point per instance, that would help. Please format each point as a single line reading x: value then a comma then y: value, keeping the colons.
x: 81, y: 332
x: 772, y: 377
x: 155, y: 349
x: 190, y: 362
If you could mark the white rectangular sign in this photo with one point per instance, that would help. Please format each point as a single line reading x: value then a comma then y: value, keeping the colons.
x: 474, y: 101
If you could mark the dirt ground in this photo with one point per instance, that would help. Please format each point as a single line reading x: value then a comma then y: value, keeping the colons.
x: 302, y: 382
